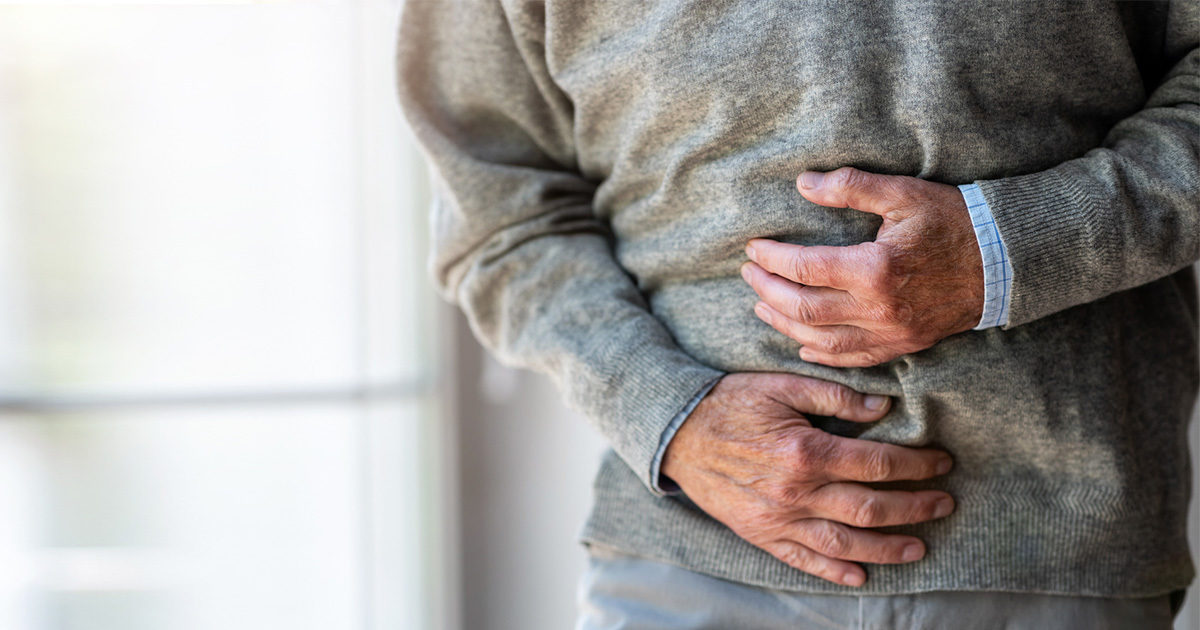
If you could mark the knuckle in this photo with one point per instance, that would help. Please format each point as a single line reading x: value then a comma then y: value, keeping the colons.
x: 868, y: 359
x: 803, y: 310
x: 803, y: 458
x: 878, y: 466
x: 831, y: 540
x: 898, y: 188
x: 794, y: 556
x: 841, y: 397
x: 868, y: 513
x: 886, y: 270
x: 795, y: 267
x: 809, y: 453
x: 784, y: 494
x: 811, y: 266
x: 896, y: 313
x: 837, y: 344
x: 758, y: 529
x: 878, y: 278
x: 847, y: 177
x: 898, y: 267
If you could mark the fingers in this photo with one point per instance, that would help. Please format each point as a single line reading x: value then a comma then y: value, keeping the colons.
x: 825, y: 398
x: 833, y: 326
x: 849, y: 187
x: 860, y: 506
x: 804, y: 559
x: 807, y: 304
x: 829, y: 339
x: 842, y: 542
x: 860, y: 358
x: 851, y: 459
x: 818, y: 454
x: 828, y: 550
x: 817, y: 265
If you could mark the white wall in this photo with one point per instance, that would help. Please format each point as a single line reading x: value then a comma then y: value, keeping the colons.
x: 526, y: 467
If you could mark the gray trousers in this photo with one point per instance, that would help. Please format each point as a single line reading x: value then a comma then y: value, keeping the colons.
x: 623, y: 592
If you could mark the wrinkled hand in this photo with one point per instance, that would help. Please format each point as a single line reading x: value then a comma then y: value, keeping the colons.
x: 918, y: 282
x: 748, y: 458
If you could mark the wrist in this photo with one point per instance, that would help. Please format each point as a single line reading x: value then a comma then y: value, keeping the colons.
x: 683, y: 445
x: 661, y: 483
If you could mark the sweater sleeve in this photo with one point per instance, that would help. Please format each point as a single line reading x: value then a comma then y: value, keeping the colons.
x: 516, y: 243
x: 1123, y: 214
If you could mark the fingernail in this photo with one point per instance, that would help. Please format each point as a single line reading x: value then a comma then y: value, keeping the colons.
x: 875, y: 402
x: 746, y: 272
x: 912, y: 553
x: 810, y: 179
x: 750, y: 253
x: 852, y: 578
x: 943, y: 508
x: 944, y: 465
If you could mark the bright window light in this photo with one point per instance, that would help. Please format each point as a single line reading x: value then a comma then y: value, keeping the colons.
x: 216, y: 371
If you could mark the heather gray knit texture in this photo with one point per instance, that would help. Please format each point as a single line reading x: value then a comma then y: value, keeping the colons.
x: 602, y: 163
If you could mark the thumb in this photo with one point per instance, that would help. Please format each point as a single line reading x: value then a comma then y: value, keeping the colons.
x: 848, y: 187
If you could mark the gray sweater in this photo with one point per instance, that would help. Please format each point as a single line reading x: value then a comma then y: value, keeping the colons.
x: 600, y: 165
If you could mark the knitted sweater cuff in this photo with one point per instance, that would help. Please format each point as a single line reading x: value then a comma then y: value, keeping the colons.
x: 1048, y: 222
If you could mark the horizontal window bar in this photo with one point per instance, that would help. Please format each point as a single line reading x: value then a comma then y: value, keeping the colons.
x: 50, y: 403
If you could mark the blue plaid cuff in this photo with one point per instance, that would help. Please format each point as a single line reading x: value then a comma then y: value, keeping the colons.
x: 997, y: 270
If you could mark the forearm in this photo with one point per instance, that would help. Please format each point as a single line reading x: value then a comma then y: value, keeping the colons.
x: 559, y: 304
x: 516, y: 242
x: 1122, y: 215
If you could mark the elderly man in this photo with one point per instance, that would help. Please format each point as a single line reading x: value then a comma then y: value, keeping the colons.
x: 885, y: 308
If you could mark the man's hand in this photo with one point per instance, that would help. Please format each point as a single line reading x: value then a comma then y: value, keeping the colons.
x: 920, y: 281
x: 748, y: 458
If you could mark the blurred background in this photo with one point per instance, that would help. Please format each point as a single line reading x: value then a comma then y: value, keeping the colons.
x: 228, y: 397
